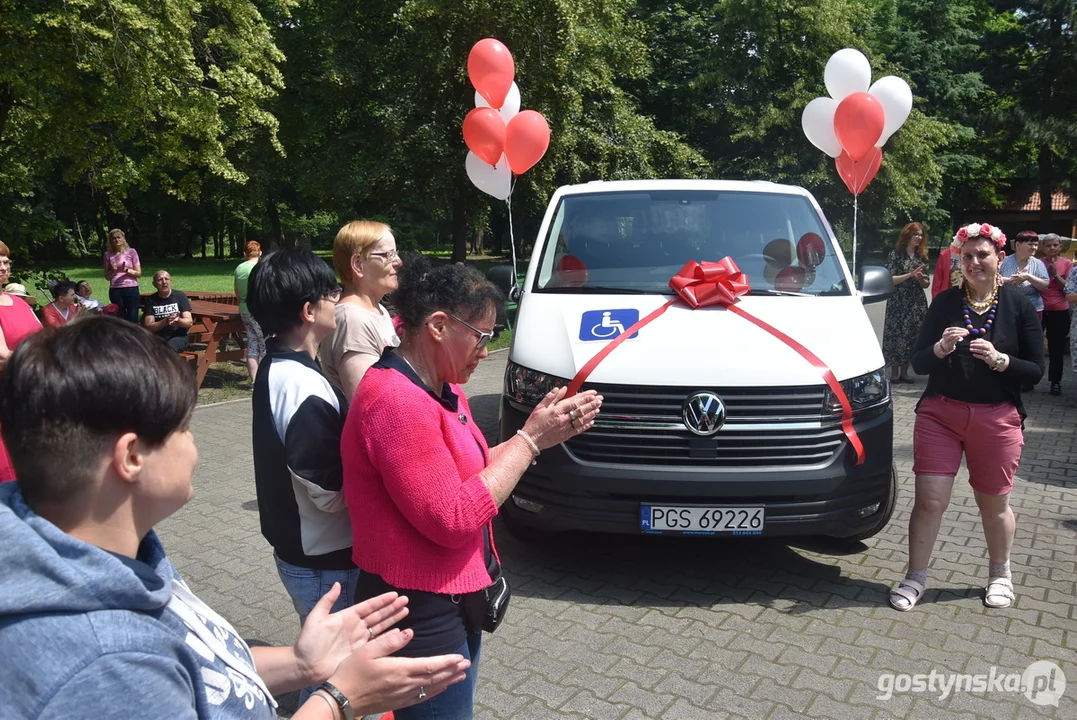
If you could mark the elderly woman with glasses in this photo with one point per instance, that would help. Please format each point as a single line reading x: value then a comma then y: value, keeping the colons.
x: 365, y: 257
x: 421, y: 485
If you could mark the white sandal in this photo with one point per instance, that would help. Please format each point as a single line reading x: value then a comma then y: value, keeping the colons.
x: 999, y: 593
x: 905, y: 596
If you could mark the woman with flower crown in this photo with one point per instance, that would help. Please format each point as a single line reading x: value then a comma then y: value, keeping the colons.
x: 979, y: 345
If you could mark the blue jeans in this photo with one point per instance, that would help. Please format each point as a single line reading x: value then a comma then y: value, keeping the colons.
x: 128, y: 299
x: 458, y: 701
x: 306, y: 587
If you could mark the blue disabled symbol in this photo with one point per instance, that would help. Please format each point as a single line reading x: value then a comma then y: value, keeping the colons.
x: 607, y: 324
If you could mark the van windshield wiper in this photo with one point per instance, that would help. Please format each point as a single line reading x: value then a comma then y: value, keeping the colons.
x: 603, y: 290
x: 769, y: 292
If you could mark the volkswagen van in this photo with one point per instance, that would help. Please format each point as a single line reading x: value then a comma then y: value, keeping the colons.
x: 712, y: 424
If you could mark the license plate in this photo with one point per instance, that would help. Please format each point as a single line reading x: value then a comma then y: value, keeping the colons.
x: 702, y: 519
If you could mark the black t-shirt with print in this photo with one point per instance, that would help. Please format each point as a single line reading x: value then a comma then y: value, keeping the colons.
x: 160, y: 308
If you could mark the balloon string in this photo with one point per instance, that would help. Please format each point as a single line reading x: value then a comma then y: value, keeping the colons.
x: 512, y: 240
x: 854, y: 240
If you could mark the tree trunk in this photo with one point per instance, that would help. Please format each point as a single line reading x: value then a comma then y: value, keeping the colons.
x: 1046, y: 177
x: 276, y: 229
x: 7, y: 101
x: 459, y: 228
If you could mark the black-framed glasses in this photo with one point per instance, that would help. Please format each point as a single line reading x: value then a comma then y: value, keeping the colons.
x: 484, y: 337
x: 389, y: 255
x: 333, y: 295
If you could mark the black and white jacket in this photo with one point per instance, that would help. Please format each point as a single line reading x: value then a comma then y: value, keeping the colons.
x: 298, y: 419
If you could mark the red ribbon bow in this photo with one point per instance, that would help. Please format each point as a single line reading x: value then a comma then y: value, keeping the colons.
x: 701, y: 284
x: 722, y: 283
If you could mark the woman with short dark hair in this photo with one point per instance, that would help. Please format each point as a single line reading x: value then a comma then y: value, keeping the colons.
x: 64, y: 307
x: 421, y: 484
x: 94, y: 620
x: 298, y: 416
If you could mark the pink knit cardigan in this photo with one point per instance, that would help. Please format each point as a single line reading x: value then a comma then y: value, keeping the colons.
x: 412, y: 485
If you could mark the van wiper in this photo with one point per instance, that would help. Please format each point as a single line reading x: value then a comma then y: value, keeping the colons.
x: 769, y: 292
x: 603, y: 290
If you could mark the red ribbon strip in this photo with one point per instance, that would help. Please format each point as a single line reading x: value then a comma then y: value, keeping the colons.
x: 708, y: 283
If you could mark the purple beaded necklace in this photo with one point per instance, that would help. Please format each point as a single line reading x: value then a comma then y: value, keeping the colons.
x: 967, y: 312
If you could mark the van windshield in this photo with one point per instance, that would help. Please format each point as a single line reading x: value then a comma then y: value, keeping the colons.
x: 634, y: 242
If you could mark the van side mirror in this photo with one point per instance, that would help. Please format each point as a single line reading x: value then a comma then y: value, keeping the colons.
x: 876, y: 284
x: 504, y: 279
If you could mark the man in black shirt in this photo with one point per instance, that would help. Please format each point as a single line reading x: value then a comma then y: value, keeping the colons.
x: 168, y: 312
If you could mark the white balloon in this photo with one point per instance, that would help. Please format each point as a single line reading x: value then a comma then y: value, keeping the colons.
x: 896, y: 98
x: 509, y: 109
x: 818, y: 123
x: 495, y: 180
x: 847, y: 71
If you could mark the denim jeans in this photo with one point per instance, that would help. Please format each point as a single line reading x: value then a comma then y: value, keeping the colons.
x: 457, y: 702
x: 128, y: 299
x: 306, y: 587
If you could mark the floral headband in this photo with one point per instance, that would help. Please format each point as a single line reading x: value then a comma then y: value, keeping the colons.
x: 976, y: 230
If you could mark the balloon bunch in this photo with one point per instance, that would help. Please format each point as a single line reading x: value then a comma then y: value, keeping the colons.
x: 854, y: 123
x: 502, y: 140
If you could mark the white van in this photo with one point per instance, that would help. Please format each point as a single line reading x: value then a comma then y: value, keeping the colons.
x: 710, y: 424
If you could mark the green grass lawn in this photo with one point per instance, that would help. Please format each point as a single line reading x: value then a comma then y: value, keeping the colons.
x: 226, y: 380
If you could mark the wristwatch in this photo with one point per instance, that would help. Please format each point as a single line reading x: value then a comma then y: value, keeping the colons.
x: 1000, y: 360
x: 342, y: 702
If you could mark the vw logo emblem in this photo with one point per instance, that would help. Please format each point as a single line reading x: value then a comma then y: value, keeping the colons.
x: 704, y: 413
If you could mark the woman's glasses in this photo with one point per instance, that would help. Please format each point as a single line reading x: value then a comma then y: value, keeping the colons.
x: 484, y: 337
x: 389, y: 256
x: 333, y: 295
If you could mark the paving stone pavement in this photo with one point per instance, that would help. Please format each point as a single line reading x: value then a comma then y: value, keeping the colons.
x: 645, y: 627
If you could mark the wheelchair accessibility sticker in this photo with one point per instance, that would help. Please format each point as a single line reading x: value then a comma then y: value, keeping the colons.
x: 607, y: 324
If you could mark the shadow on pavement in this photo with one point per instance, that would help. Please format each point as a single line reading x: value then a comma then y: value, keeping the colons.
x: 697, y: 572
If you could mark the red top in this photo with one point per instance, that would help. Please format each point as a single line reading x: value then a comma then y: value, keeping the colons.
x: 17, y: 321
x: 411, y: 482
x: 52, y: 316
x: 942, y: 279
x: 1054, y: 297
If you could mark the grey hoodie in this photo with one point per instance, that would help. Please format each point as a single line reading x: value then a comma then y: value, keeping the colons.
x: 85, y: 633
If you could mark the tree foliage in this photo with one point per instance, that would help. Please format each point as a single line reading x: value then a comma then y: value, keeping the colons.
x: 198, y: 124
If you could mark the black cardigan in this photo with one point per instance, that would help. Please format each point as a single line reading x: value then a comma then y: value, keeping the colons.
x: 1016, y: 331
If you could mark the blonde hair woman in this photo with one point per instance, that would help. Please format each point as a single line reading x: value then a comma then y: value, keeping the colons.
x: 365, y: 257
x: 122, y: 270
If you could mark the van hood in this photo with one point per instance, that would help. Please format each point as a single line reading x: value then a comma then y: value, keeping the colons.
x: 557, y: 334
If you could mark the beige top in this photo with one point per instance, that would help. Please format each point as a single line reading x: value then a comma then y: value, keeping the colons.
x: 358, y: 330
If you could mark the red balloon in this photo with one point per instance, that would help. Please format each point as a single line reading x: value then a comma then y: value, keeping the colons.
x: 484, y: 134
x: 570, y: 271
x: 810, y: 250
x: 491, y: 70
x: 858, y: 123
x: 857, y: 175
x: 790, y: 279
x: 526, y: 140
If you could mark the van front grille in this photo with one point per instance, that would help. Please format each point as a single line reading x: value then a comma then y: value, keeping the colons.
x: 764, y: 427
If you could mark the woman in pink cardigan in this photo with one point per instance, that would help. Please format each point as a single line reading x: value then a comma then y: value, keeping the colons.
x: 421, y: 485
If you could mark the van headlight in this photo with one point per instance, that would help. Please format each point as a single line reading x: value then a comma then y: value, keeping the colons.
x: 865, y: 392
x: 527, y: 386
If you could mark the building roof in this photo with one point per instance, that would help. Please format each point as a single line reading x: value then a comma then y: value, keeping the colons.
x: 1061, y: 201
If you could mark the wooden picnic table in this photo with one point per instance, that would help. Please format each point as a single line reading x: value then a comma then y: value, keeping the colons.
x: 214, y: 324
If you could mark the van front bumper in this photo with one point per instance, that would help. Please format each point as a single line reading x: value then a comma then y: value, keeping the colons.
x: 562, y: 493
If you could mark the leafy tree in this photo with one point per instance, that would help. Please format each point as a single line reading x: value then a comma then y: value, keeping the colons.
x: 126, y: 93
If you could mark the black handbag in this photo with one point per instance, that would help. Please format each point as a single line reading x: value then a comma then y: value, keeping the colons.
x: 486, y: 608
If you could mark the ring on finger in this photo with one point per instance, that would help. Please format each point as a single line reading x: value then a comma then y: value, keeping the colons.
x: 371, y: 631
x: 572, y: 414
